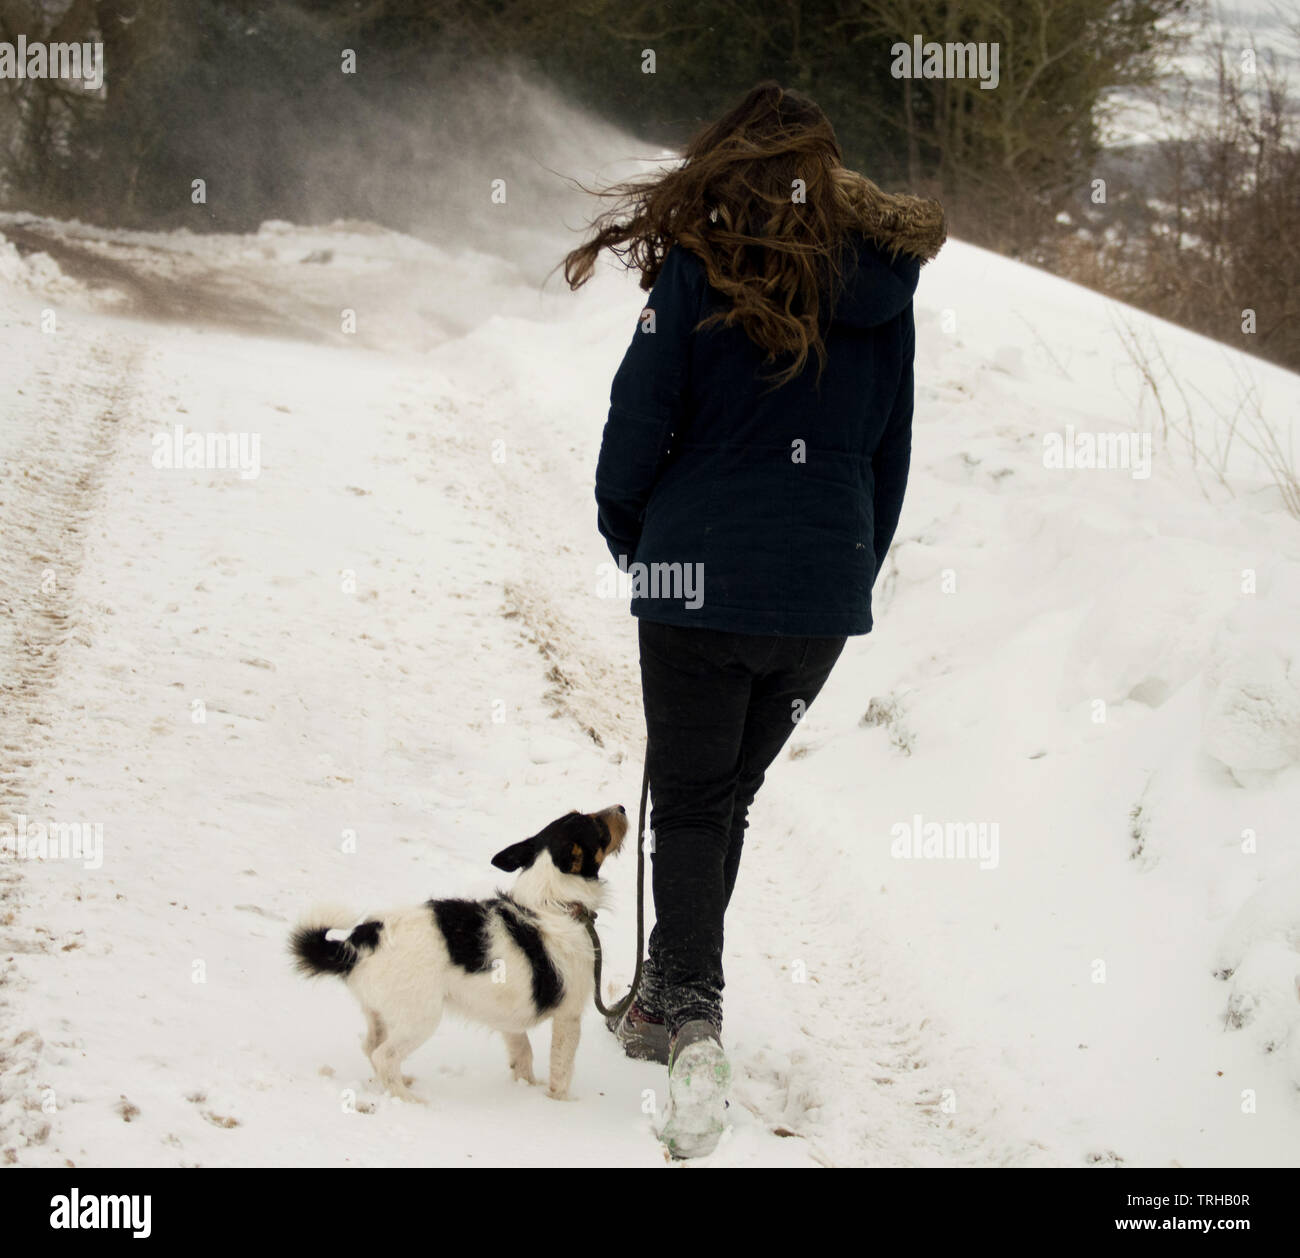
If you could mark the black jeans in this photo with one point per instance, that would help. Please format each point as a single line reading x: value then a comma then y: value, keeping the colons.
x: 718, y: 707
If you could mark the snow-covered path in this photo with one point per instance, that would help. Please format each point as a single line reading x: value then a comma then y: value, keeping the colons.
x: 344, y: 626
x: 359, y: 674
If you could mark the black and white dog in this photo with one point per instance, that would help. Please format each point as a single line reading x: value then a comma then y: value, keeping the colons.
x: 509, y: 963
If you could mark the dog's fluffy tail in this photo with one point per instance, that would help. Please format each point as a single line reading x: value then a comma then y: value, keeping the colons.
x: 326, y: 941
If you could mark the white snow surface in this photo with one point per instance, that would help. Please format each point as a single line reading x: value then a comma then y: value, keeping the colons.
x: 361, y: 673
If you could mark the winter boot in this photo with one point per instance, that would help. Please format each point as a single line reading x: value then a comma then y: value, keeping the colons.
x: 699, y: 1077
x: 643, y: 1035
x: 641, y: 1030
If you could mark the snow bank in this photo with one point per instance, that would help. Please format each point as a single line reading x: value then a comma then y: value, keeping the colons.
x: 1252, y: 683
x: 1150, y: 625
x: 1260, y: 959
x: 35, y: 273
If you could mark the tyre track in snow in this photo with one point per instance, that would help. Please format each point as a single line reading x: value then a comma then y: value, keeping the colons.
x: 61, y: 431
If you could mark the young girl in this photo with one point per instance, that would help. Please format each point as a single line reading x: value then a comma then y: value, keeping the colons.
x: 750, y: 479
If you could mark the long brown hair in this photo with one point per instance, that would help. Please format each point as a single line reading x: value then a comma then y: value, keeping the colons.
x: 763, y: 199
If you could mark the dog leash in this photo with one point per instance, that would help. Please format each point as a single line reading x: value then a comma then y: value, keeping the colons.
x: 588, y: 918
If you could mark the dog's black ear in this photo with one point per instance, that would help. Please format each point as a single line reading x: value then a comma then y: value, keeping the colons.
x: 517, y: 856
x: 572, y: 842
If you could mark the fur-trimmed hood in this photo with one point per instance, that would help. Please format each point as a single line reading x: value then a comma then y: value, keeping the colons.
x: 895, y: 221
x: 898, y: 235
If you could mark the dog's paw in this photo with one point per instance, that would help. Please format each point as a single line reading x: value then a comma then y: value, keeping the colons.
x: 520, y: 1077
x: 407, y: 1097
x: 560, y: 1096
x: 399, y: 1090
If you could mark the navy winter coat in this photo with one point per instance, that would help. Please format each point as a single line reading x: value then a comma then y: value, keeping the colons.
x: 786, y: 500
